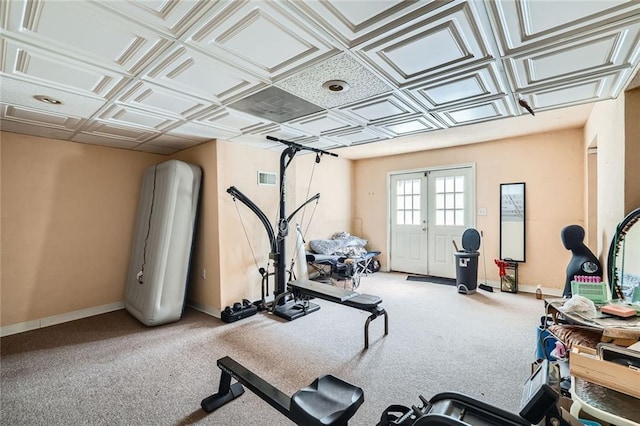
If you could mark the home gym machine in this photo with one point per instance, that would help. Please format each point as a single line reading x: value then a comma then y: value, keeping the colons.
x: 329, y: 400
x: 282, y: 306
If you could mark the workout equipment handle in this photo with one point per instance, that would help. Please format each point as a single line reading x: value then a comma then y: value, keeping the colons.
x: 301, y: 147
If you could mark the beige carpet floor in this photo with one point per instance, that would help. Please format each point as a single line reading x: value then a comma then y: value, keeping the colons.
x: 112, y: 370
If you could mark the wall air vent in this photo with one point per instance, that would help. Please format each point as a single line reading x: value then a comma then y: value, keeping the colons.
x: 266, y: 178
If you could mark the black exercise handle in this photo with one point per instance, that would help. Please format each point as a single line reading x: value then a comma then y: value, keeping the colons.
x: 301, y: 147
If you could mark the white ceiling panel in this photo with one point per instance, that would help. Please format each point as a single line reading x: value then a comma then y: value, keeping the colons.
x: 234, y: 121
x: 113, y: 132
x: 430, y: 47
x: 155, y: 149
x: 171, y: 17
x: 161, y: 76
x: 25, y: 116
x: 34, y: 129
x: 379, y: 109
x: 526, y: 24
x: 80, y: 29
x: 23, y: 93
x: 410, y: 126
x: 600, y: 53
x: 172, y: 142
x: 356, y: 136
x: 258, y: 137
x: 201, y: 132
x: 353, y: 22
x: 321, y: 123
x: 283, y: 46
x: 581, y: 91
x: 469, y: 87
x: 40, y: 66
x: 122, y: 114
x: 145, y: 95
x: 202, y: 76
x: 470, y: 114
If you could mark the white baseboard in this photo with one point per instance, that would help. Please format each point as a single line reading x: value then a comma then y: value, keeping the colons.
x: 59, y: 319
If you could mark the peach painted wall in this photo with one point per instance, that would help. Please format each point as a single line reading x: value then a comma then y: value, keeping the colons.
x: 551, y: 164
x: 68, y: 215
x: 616, y: 127
x: 632, y: 150
x: 238, y: 166
x: 204, y: 279
x: 332, y: 179
x: 606, y: 124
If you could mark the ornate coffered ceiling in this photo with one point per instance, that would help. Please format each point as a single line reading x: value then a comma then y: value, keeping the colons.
x: 161, y: 76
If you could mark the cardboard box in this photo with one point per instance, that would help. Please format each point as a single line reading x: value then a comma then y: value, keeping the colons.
x: 584, y: 363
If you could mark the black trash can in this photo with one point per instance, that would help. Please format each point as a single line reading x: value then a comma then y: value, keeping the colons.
x: 467, y: 262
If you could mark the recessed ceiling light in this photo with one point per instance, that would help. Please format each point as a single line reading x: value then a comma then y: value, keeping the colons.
x: 48, y: 100
x: 336, y: 86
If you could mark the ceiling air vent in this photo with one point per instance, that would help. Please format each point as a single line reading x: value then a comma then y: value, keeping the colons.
x: 276, y: 105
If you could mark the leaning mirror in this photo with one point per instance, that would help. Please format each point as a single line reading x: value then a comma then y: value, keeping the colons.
x: 623, y: 265
x: 512, y: 221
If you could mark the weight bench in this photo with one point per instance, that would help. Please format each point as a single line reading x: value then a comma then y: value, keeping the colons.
x: 306, y: 289
x: 326, y: 401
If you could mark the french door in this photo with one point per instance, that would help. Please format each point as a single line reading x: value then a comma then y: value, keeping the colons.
x: 428, y: 211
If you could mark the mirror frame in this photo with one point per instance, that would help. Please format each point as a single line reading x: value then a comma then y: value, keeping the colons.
x: 507, y: 208
x: 614, y: 249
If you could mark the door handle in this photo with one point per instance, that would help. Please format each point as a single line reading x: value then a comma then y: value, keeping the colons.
x: 424, y: 229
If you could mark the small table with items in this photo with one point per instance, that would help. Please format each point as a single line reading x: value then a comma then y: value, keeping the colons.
x: 617, y: 330
x: 575, y: 329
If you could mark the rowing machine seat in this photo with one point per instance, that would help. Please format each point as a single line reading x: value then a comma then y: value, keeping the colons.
x: 326, y: 401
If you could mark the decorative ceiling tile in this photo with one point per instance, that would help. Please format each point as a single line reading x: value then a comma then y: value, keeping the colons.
x: 600, y: 53
x: 201, y: 132
x: 162, y: 150
x: 145, y: 95
x: 234, y: 121
x: 40, y: 66
x: 171, y: 17
x: 354, y: 22
x: 231, y: 34
x: 86, y: 32
x: 259, y: 137
x: 37, y: 117
x: 410, y: 126
x: 202, y: 76
x: 526, y: 24
x: 168, y: 141
x: 430, y: 46
x: 469, y: 87
x: 355, y: 136
x: 132, y: 117
x: 322, y: 143
x: 321, y: 123
x: 161, y: 75
x: 382, y: 108
x: 484, y: 111
x: 23, y: 93
x: 34, y: 129
x: 111, y: 131
x: 581, y: 91
x: 310, y: 83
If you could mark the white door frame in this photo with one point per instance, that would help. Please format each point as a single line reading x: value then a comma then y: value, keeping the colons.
x: 472, y: 201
